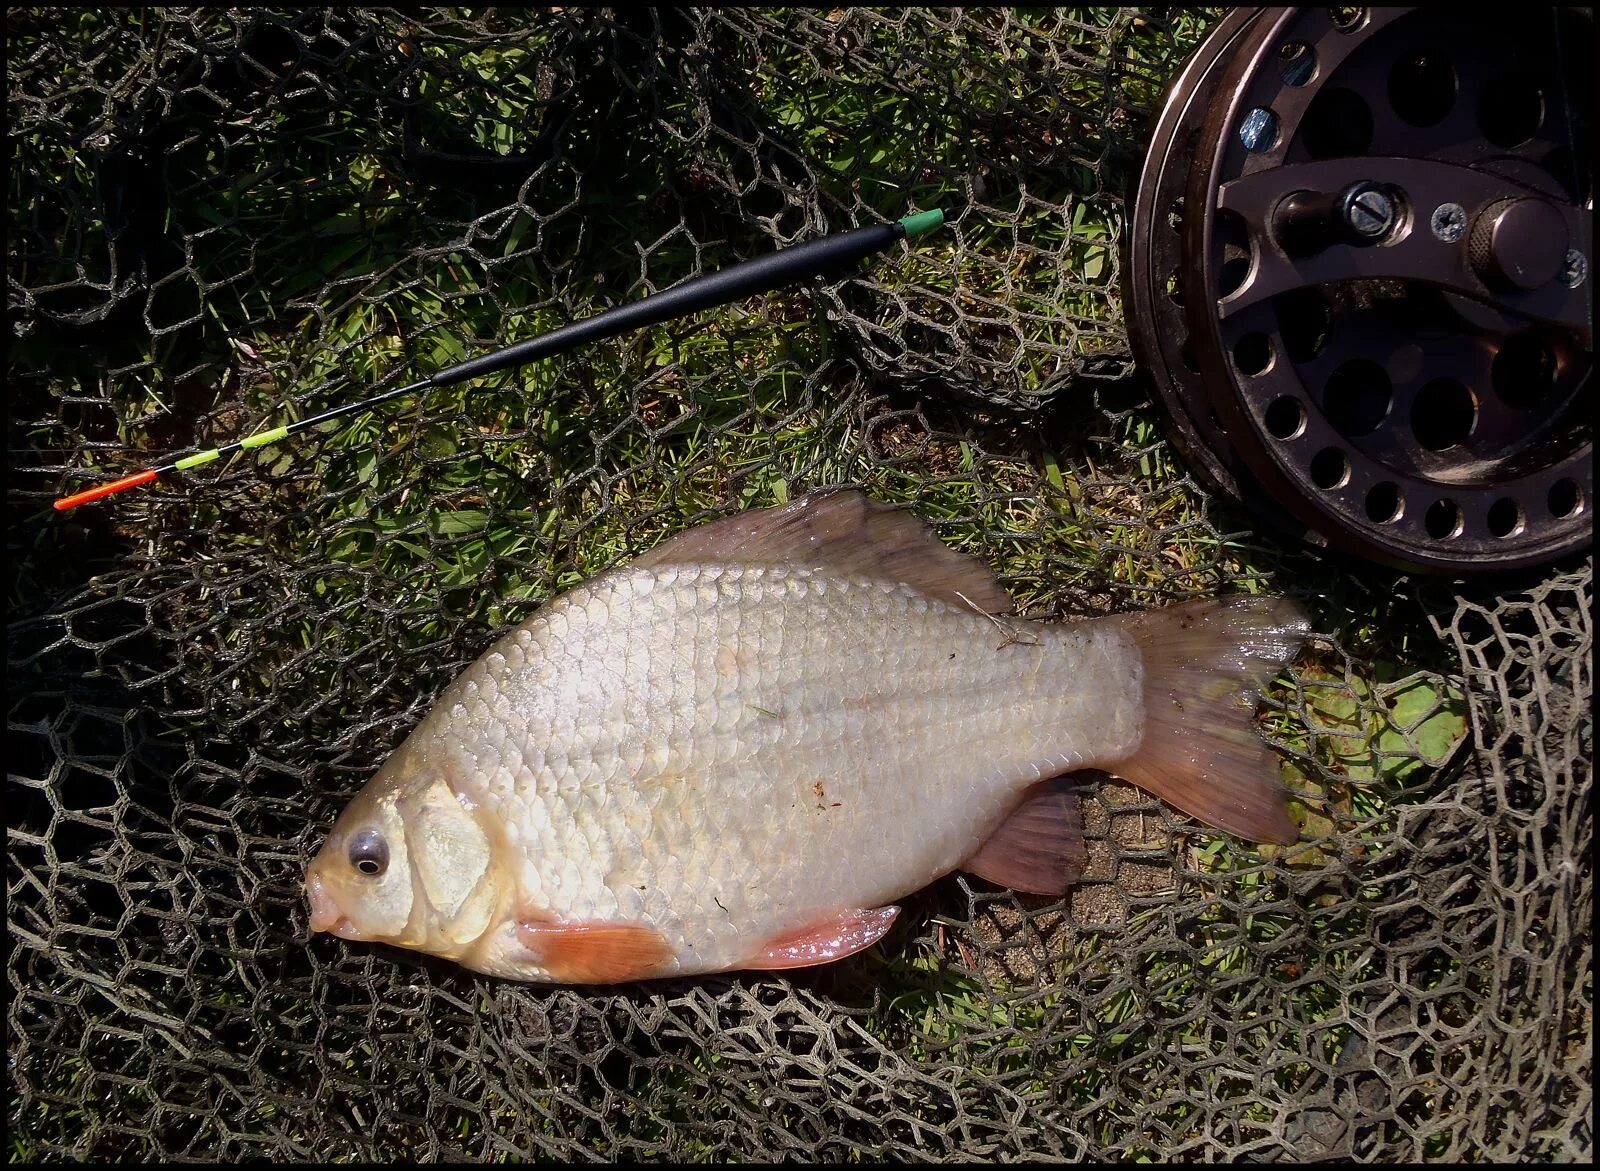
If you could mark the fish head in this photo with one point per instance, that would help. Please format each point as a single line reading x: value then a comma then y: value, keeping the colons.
x: 410, y: 862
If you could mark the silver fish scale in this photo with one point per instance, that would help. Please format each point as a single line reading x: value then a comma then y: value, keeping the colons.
x: 730, y: 753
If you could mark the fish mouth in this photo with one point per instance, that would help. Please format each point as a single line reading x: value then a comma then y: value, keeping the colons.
x: 325, y: 912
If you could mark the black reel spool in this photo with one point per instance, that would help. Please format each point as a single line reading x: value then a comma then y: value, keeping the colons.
x: 1361, y: 273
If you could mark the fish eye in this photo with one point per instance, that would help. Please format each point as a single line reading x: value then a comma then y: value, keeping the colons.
x: 369, y: 853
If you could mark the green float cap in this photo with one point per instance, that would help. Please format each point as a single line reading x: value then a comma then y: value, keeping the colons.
x: 922, y: 223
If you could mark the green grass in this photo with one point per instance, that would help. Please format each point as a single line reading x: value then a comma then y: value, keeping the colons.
x: 318, y: 273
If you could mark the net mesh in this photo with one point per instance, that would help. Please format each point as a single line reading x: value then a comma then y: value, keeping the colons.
x: 226, y: 219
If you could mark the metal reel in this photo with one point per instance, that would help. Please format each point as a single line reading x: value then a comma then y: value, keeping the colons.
x: 1361, y: 274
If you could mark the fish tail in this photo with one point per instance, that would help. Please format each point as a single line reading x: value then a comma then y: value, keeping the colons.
x: 1200, y: 751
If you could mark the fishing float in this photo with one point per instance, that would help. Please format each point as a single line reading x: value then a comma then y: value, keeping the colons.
x: 829, y: 255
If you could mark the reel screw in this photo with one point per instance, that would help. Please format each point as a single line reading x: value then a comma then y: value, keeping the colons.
x: 1449, y: 222
x: 1368, y: 211
x: 1574, y: 269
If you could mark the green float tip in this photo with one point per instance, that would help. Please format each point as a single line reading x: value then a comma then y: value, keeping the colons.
x: 922, y: 223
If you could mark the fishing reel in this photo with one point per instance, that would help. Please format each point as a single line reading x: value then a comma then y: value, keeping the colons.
x: 1361, y: 272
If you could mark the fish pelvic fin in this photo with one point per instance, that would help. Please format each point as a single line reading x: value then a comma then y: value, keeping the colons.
x: 1204, y: 663
x: 1038, y: 848
x: 594, y: 952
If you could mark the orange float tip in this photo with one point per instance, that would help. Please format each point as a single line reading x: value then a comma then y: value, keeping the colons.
x: 112, y: 488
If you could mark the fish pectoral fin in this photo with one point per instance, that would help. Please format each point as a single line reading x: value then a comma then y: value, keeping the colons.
x: 843, y: 533
x: 824, y: 942
x: 1039, y: 847
x: 594, y: 952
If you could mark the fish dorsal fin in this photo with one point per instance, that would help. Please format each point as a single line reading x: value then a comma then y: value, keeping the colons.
x: 843, y: 533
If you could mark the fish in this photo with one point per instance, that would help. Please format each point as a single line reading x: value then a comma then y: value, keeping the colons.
x: 741, y: 749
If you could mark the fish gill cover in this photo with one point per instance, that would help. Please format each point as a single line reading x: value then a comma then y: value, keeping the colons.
x: 225, y: 219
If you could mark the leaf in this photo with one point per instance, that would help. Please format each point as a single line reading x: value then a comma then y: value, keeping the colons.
x: 1344, y: 713
x: 334, y: 257
x: 463, y: 520
x: 1427, y: 723
x: 1391, y: 731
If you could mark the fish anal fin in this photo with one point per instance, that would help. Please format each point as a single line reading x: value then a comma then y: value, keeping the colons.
x: 1037, y: 849
x: 844, y: 533
x: 824, y: 942
x: 594, y: 952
